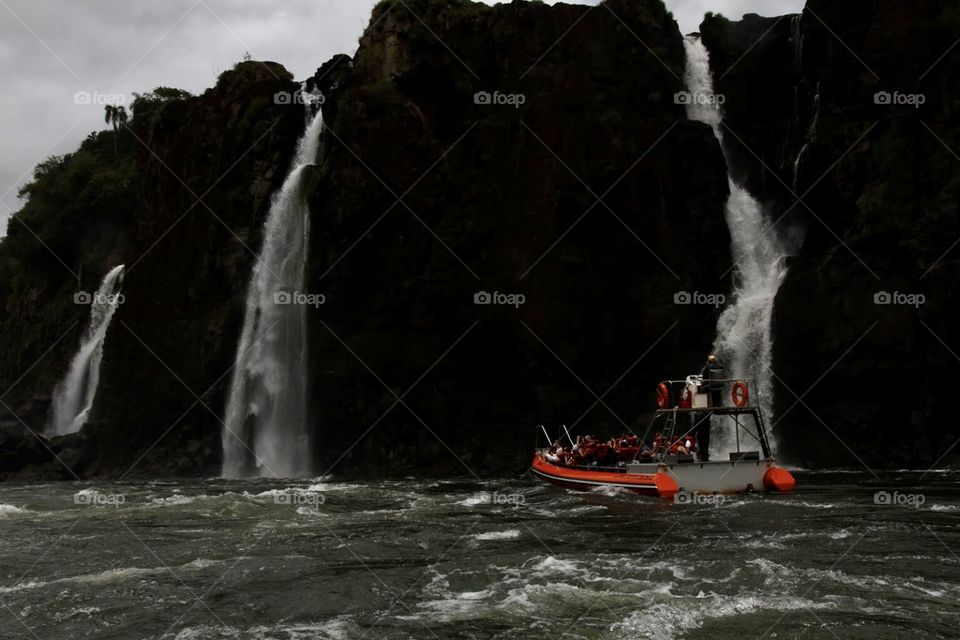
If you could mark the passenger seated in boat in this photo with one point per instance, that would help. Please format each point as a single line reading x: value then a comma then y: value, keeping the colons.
x: 606, y: 455
x: 553, y: 455
x: 657, y: 444
x: 588, y: 451
x: 684, y: 446
x: 627, y: 442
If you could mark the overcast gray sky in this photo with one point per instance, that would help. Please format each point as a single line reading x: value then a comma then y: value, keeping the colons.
x: 50, y: 50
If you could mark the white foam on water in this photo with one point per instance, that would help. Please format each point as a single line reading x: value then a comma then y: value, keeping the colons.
x: 673, y: 619
x: 810, y: 505
x: 509, y: 534
x: 201, y: 563
x: 944, y: 507
x: 336, y: 486
x: 476, y: 499
x: 275, y: 493
x: 7, y: 510
x: 764, y: 543
x: 439, y: 584
x: 109, y: 576
x: 566, y: 512
x: 552, y: 565
x: 176, y: 500
x: 612, y: 492
x: 456, y: 606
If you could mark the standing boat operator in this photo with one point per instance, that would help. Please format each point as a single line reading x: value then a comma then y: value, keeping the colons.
x: 715, y: 391
x: 711, y: 369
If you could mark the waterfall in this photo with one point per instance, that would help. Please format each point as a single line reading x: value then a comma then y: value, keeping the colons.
x: 265, y: 421
x: 810, y: 135
x: 744, y: 338
x: 73, y: 397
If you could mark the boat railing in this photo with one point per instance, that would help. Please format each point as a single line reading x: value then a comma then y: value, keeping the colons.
x: 726, y: 405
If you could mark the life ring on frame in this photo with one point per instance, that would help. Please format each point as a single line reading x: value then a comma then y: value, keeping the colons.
x: 739, y: 393
x: 663, y: 395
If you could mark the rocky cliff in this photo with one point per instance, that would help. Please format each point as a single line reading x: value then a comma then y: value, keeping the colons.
x: 525, y: 150
x: 181, y: 206
x: 586, y: 191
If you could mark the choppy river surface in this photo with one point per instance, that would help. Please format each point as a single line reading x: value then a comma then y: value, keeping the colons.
x: 846, y: 556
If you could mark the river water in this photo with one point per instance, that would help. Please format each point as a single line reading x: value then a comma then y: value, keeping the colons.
x: 458, y: 559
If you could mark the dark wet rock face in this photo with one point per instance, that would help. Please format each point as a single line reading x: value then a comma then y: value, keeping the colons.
x: 19, y: 449
x: 503, y: 198
x: 756, y: 64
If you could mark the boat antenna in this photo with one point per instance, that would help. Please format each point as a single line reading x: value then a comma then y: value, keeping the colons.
x: 572, y: 443
x: 549, y: 441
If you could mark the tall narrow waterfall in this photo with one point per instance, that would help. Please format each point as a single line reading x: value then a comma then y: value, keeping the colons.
x: 744, y: 340
x: 266, y: 415
x: 73, y: 397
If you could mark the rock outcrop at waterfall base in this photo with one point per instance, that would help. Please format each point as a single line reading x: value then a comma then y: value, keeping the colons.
x: 425, y: 196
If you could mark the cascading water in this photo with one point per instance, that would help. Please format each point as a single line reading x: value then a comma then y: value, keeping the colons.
x: 744, y: 338
x: 265, y: 430
x: 73, y: 397
x: 810, y: 135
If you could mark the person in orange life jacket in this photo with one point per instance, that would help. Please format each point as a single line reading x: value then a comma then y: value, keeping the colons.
x: 658, y: 444
x: 685, y: 445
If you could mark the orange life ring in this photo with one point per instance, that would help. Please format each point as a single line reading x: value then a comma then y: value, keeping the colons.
x: 663, y: 395
x: 739, y: 393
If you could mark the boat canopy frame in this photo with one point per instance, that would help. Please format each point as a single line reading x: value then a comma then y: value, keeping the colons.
x: 672, y: 433
x: 752, y: 410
